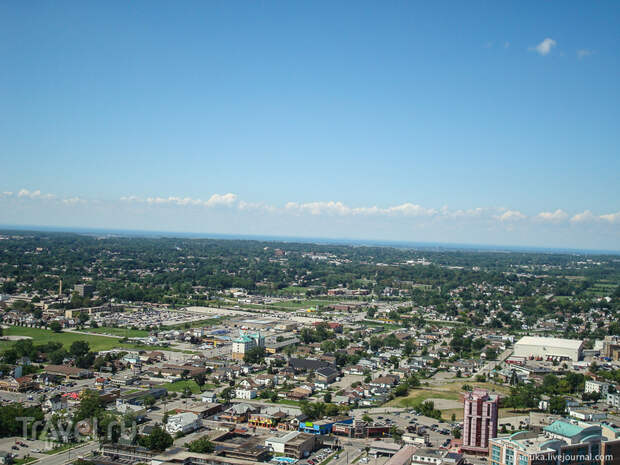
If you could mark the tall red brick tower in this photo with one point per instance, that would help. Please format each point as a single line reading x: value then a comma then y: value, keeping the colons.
x: 479, y: 421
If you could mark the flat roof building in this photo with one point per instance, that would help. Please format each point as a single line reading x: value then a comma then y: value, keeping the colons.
x: 549, y: 348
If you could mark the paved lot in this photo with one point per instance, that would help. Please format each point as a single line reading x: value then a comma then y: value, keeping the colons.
x: 402, y: 418
x: 7, y: 444
x: 346, y: 381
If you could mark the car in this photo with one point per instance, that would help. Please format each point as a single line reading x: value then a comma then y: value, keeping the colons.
x: 15, y: 448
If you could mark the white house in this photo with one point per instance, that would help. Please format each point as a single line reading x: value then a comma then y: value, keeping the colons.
x: 55, y: 403
x: 245, y: 393
x: 209, y: 396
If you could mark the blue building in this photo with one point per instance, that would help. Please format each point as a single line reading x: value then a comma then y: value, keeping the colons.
x: 323, y: 426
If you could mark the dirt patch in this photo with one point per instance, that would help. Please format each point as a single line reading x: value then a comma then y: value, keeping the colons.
x: 444, y: 404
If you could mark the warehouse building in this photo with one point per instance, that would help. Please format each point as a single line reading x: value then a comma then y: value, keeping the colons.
x: 549, y: 348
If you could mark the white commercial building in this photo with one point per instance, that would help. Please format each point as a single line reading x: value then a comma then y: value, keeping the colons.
x: 549, y: 348
x: 183, y: 423
x: 246, y: 342
x: 277, y: 443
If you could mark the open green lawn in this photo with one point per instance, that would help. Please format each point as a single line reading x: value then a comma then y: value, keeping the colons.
x: 458, y: 413
x: 293, y: 290
x: 451, y: 391
x: 288, y: 402
x: 417, y: 396
x: 23, y: 461
x: 378, y: 324
x: 123, y: 332
x: 42, y: 336
x: 179, y: 386
x: 602, y: 288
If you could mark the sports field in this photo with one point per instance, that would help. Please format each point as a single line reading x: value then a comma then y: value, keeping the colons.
x: 41, y: 336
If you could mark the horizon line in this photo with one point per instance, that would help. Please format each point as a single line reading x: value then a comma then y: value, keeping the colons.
x: 85, y: 230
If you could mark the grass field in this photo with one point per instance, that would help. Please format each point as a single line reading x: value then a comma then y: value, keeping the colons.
x: 450, y: 391
x: 288, y: 402
x: 458, y: 413
x: 602, y: 288
x: 417, y: 396
x: 42, y: 336
x: 294, y: 290
x: 179, y: 386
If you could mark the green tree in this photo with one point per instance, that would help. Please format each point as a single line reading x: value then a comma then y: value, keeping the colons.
x: 557, y: 405
x: 255, y: 355
x: 201, y: 446
x: 158, y: 440
x: 227, y: 394
x: 90, y: 406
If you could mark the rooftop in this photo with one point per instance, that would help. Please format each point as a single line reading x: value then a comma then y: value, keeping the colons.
x: 551, y: 341
x: 564, y: 428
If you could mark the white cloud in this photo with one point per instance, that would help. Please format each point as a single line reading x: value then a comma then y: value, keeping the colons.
x: 36, y: 194
x: 255, y: 206
x: 583, y: 217
x: 73, y: 201
x: 611, y: 217
x: 340, y: 209
x: 216, y: 200
x: 319, y: 208
x: 584, y: 52
x: 545, y: 46
x: 512, y: 215
x: 409, y: 209
x: 221, y: 200
x: 553, y: 217
x: 506, y: 44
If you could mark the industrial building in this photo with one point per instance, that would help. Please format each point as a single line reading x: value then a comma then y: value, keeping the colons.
x: 549, y: 348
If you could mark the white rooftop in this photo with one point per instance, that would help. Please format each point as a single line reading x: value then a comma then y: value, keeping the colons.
x: 551, y: 342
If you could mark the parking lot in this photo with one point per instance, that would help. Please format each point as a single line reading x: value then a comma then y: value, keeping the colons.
x: 23, y: 447
x: 437, y: 432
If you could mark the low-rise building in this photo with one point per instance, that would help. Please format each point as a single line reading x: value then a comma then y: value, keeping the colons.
x: 567, y: 444
x: 183, y: 423
x: 294, y: 444
x: 598, y: 387
x: 613, y: 399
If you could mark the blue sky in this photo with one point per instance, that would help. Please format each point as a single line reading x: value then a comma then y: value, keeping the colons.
x: 469, y: 122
